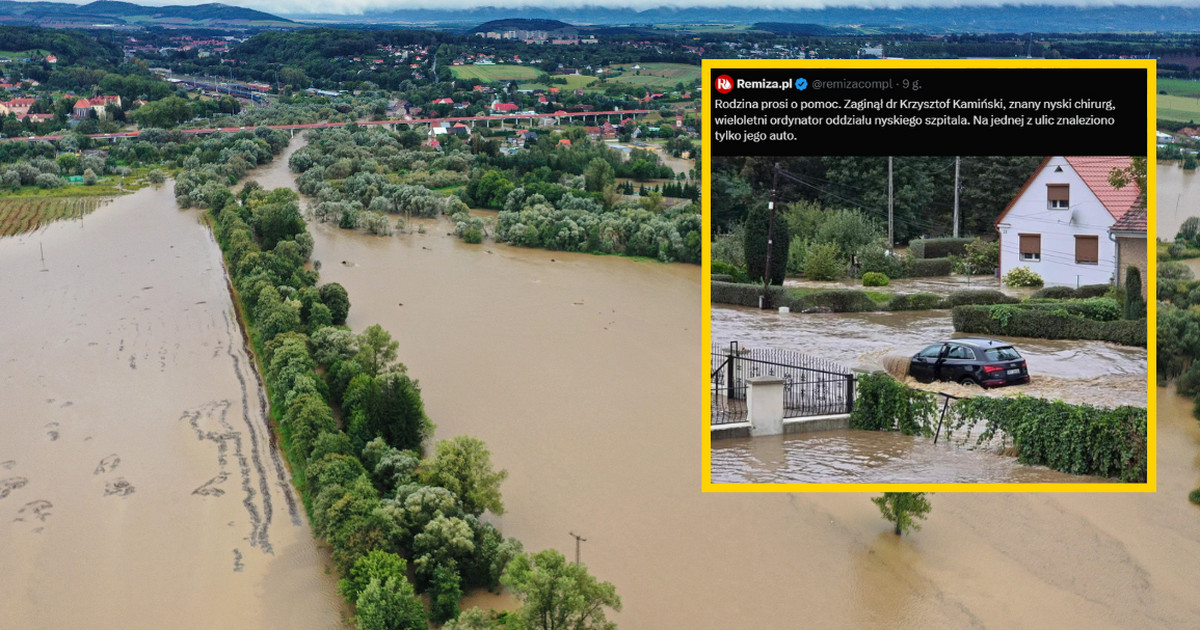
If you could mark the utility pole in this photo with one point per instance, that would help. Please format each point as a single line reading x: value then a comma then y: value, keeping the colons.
x: 956, y: 186
x: 891, y: 231
x: 764, y: 299
x: 578, y: 539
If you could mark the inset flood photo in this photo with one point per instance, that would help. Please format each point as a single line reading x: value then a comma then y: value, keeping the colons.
x: 928, y: 320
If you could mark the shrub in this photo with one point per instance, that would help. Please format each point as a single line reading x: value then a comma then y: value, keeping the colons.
x: 836, y: 300
x: 925, y: 267
x: 742, y: 294
x: 916, y: 302
x: 48, y: 180
x: 874, y: 279
x: 978, y: 296
x: 848, y: 230
x: 735, y: 274
x: 874, y: 257
x: 473, y: 236
x: 1093, y: 290
x: 727, y: 248
x: 884, y: 404
x: 1135, y: 304
x: 1046, y: 323
x: 797, y: 252
x: 939, y: 247
x: 1022, y: 277
x: 1194, y: 496
x: 720, y: 277
x: 1054, y: 293
x: 823, y: 262
x: 979, y: 257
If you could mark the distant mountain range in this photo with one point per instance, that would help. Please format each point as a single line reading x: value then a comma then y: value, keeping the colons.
x: 108, y: 13
x: 1044, y: 18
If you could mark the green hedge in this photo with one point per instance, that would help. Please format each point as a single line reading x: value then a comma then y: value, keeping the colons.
x: 743, y: 294
x: 938, y: 247
x: 1075, y: 439
x: 978, y: 296
x: 884, y: 404
x: 720, y: 277
x: 915, y: 302
x: 1100, y: 309
x: 925, y: 267
x: 836, y: 300
x: 1067, y: 293
x: 1045, y: 323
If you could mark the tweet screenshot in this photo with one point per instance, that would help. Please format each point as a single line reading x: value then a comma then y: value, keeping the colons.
x: 929, y: 275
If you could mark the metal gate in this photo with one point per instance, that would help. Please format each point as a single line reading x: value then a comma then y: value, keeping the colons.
x: 812, y: 386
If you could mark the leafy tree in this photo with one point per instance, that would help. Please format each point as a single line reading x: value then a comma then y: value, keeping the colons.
x: 444, y: 593
x: 470, y: 619
x: 822, y: 262
x: 903, y: 509
x: 1187, y: 231
x: 755, y: 245
x: 598, y: 175
x: 557, y: 595
x: 463, y: 466
x: 376, y: 350
x: 164, y: 113
x: 376, y: 565
x: 390, y: 605
x: 335, y: 297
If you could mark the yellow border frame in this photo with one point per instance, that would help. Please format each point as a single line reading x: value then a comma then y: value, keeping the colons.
x: 706, y: 165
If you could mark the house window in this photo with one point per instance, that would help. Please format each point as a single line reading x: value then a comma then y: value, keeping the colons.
x: 1031, y: 247
x: 1087, y: 250
x: 1058, y: 196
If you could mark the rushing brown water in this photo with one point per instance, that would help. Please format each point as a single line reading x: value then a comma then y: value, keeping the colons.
x: 1178, y: 191
x: 139, y: 485
x: 1079, y: 371
x: 599, y: 433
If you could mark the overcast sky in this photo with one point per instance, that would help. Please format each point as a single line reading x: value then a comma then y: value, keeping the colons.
x: 299, y: 7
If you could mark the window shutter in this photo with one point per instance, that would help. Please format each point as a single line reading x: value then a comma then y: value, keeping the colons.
x: 1087, y: 249
x: 1031, y: 244
x: 1058, y: 192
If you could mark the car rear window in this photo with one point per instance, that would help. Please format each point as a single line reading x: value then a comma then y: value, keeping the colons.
x: 1007, y: 353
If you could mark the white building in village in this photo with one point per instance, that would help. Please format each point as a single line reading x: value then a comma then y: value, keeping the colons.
x: 1058, y: 224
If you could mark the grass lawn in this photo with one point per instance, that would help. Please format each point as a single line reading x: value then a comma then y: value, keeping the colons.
x: 1179, y: 108
x: 500, y: 72
x: 1179, y: 87
x: 574, y: 82
x: 659, y: 76
x: 22, y: 54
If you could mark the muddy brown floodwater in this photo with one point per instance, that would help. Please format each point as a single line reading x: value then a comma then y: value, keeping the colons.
x: 139, y: 486
x: 585, y: 377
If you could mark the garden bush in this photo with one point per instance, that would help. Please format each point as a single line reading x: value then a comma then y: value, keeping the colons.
x: 926, y: 267
x: 1046, y: 323
x: 874, y: 279
x: 884, y: 404
x: 735, y: 273
x: 938, y: 247
x: 978, y: 296
x: 836, y: 300
x: 823, y: 262
x: 874, y: 257
x: 743, y: 294
x: 1022, y: 277
x: 720, y: 277
x: 916, y: 302
x: 1054, y: 293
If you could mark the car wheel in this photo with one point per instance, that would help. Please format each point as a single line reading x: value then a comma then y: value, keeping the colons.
x: 968, y: 382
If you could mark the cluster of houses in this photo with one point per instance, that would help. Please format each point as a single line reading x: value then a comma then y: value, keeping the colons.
x: 540, y: 37
x: 1070, y: 225
x: 19, y: 107
x: 95, y: 107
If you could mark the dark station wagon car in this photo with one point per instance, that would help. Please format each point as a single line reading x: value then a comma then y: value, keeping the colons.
x: 983, y: 362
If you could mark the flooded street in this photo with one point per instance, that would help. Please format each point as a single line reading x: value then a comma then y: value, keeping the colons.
x: 1078, y: 371
x: 139, y: 487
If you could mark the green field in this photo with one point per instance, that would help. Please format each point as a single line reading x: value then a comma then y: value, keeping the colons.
x: 28, y: 214
x: 500, y: 72
x: 574, y: 82
x: 1179, y: 87
x: 659, y: 76
x: 1178, y: 108
x: 22, y: 54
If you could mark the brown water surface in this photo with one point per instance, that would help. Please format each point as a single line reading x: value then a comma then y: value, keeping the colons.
x: 583, y: 375
x: 139, y: 484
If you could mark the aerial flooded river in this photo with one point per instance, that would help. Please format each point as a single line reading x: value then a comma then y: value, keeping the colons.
x: 139, y: 483
x: 584, y: 376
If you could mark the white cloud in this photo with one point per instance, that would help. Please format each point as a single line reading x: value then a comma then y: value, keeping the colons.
x: 355, y: 7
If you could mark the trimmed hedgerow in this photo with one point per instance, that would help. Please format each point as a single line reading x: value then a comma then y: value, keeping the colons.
x: 1045, y: 323
x: 978, y: 296
x: 915, y: 302
x: 925, y: 267
x: 938, y: 247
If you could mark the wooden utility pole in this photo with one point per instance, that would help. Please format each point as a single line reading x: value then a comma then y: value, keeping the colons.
x: 578, y: 539
x: 891, y: 229
x: 956, y: 161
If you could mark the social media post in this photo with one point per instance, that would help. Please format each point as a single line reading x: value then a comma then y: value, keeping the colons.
x: 929, y: 276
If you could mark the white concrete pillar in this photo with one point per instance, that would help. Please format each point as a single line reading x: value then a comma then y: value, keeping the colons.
x: 764, y: 405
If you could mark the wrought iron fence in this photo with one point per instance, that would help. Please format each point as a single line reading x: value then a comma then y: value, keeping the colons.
x: 812, y: 386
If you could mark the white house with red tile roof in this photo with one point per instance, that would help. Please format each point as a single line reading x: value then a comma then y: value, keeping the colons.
x: 1058, y: 224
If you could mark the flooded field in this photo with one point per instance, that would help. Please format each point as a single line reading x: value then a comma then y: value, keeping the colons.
x: 599, y: 433
x: 139, y: 486
x: 1178, y: 191
x: 1091, y: 372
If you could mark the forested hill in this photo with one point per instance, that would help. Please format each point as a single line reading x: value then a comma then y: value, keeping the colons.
x: 71, y: 47
x: 112, y: 13
x: 521, y: 24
